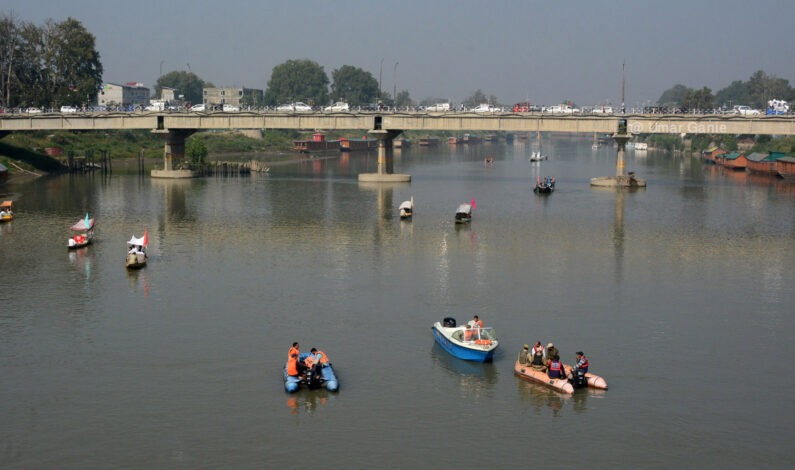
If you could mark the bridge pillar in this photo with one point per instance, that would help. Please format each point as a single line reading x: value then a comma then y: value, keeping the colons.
x: 384, y: 173
x: 174, y: 148
x: 621, y: 180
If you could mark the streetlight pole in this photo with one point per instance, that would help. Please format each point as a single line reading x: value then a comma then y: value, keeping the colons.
x: 394, y: 80
x: 380, y: 75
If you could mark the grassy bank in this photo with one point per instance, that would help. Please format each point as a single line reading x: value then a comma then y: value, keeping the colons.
x: 27, y: 159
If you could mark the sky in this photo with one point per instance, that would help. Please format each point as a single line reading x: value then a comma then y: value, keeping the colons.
x: 542, y: 51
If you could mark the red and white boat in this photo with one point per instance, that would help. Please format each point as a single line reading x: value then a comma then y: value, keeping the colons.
x: 85, y: 233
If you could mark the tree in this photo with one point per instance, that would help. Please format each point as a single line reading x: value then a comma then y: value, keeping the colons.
x: 297, y: 80
x: 431, y: 100
x: 729, y: 142
x: 763, y: 87
x: 403, y: 99
x: 673, y: 96
x: 354, y: 85
x: 197, y: 151
x: 733, y: 95
x: 186, y: 83
x: 699, y: 99
x: 475, y: 99
x: 72, y: 70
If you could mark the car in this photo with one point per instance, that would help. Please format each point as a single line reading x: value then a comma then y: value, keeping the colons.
x: 485, y: 108
x: 338, y: 106
x: 33, y: 110
x: 228, y: 108
x: 439, y: 107
x: 301, y: 107
x: 68, y: 109
x: 746, y: 111
x: 603, y: 110
x: 198, y: 107
x: 156, y: 106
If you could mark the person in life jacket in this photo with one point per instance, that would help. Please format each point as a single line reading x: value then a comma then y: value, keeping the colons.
x: 582, y: 363
x: 293, y: 350
x: 551, y: 352
x: 320, y: 357
x: 292, y: 365
x: 523, y: 355
x: 537, y: 356
x: 556, y: 370
x: 469, y: 335
x: 477, y: 322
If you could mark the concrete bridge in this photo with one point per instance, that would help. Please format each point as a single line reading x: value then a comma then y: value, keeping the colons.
x: 385, y: 126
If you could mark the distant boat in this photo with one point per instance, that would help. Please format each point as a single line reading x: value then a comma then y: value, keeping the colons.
x: 454, y: 140
x: 352, y: 145
x: 463, y: 214
x: 471, y: 344
x: 544, y: 187
x: 407, y: 209
x: 402, y: 144
x: 85, y: 229
x: 537, y: 157
x: 6, y: 211
x: 641, y: 146
x: 318, y: 143
x: 136, y: 256
x: 429, y: 142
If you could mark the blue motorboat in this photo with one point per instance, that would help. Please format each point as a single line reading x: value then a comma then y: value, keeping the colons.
x: 466, y: 342
x: 311, y: 380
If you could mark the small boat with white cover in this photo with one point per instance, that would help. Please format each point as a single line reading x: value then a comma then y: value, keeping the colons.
x: 85, y: 229
x: 471, y: 344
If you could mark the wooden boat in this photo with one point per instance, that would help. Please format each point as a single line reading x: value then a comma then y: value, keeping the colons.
x: 327, y: 377
x: 85, y: 229
x: 528, y: 373
x: 136, y: 256
x: 402, y: 144
x: 454, y: 140
x: 6, y: 211
x: 318, y: 143
x: 544, y: 187
x: 785, y: 167
x: 352, y: 145
x: 429, y: 142
x: 478, y: 347
x: 407, y: 209
x: 761, y: 163
x: 472, y: 139
x: 733, y: 161
x: 463, y: 214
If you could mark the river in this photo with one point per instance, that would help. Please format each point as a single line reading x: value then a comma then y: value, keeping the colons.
x: 681, y: 296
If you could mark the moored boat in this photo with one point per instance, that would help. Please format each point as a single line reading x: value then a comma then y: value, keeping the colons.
x: 641, y: 146
x: 429, y: 142
x: 471, y: 139
x: 85, y: 233
x: 402, y: 144
x: 454, y: 140
x: 761, y: 163
x: 406, y: 209
x: 6, y: 211
x: 540, y: 377
x: 471, y: 344
x: 785, y: 167
x: 318, y: 143
x: 544, y: 187
x: 733, y: 161
x: 309, y: 379
x: 352, y: 145
x: 136, y: 256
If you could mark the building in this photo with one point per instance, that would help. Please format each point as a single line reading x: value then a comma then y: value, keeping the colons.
x: 129, y: 94
x: 233, y: 96
x: 168, y: 94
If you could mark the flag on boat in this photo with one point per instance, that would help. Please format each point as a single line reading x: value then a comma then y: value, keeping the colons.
x: 87, y: 221
x: 146, y: 238
x: 473, y: 203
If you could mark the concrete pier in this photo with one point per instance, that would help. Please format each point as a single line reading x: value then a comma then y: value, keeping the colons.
x: 174, y: 148
x: 385, y: 160
x: 622, y: 179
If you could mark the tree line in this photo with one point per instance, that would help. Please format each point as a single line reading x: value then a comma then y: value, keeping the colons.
x: 52, y: 64
x: 755, y: 92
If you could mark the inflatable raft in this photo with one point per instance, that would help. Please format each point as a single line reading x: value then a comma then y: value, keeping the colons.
x: 594, y: 381
x: 528, y: 373
x: 292, y: 383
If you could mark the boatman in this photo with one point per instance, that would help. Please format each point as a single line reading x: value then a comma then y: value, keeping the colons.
x: 477, y: 322
x: 556, y: 370
x: 523, y: 355
x: 293, y: 350
x: 582, y: 363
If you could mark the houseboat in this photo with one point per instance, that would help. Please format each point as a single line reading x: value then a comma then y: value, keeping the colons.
x: 734, y: 161
x: 318, y: 143
x: 785, y: 167
x: 764, y: 163
x: 429, y: 142
x: 402, y: 144
x: 491, y: 138
x: 454, y: 140
x: 353, y: 145
x: 472, y: 139
x: 709, y: 155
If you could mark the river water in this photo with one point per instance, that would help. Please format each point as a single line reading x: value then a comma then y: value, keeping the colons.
x: 681, y: 296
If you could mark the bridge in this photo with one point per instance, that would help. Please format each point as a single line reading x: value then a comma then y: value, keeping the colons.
x: 385, y: 126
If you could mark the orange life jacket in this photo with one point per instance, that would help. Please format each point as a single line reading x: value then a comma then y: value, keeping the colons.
x: 293, y: 350
x: 322, y: 358
x: 309, y: 361
x: 292, y: 366
x: 468, y: 334
x: 478, y: 324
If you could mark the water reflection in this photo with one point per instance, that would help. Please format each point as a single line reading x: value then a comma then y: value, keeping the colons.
x: 543, y: 398
x: 307, y: 401
x: 81, y: 260
x: 474, y: 378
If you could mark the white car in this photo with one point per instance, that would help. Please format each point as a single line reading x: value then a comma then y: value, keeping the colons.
x: 439, y: 107
x: 485, y: 108
x: 298, y: 107
x: 603, y: 110
x: 338, y: 106
x: 746, y: 111
x: 68, y: 109
x: 33, y: 111
x: 198, y: 107
x: 228, y: 108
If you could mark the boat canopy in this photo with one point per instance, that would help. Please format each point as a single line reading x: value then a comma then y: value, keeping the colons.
x: 464, y: 209
x: 477, y: 333
x: 405, y: 205
x: 7, y: 204
x: 81, y: 225
x: 757, y: 157
x: 136, y: 241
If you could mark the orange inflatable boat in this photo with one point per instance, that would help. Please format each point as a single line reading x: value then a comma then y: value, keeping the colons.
x: 594, y: 381
x: 528, y: 373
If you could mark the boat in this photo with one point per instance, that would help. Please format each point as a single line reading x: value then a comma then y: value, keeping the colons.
x: 564, y: 385
x: 761, y: 163
x: 85, y: 229
x: 629, y: 145
x: 429, y: 142
x: 480, y: 347
x: 327, y: 377
x: 537, y: 157
x: 464, y: 213
x: 351, y: 145
x: 454, y: 140
x: 544, y: 187
x: 471, y: 139
x: 402, y: 144
x: 641, y: 146
x: 733, y: 161
x: 318, y: 143
x: 407, y: 209
x: 785, y: 167
x: 6, y: 211
x: 136, y: 256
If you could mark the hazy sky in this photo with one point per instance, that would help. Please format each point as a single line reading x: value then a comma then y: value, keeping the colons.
x: 546, y: 51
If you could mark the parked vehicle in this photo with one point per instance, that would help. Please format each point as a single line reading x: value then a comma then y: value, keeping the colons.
x: 746, y: 111
x: 33, y: 111
x: 198, y: 107
x: 298, y: 107
x: 228, y: 108
x: 526, y: 107
x: 439, y: 107
x: 485, y: 108
x: 68, y: 109
x: 337, y: 107
x: 603, y: 110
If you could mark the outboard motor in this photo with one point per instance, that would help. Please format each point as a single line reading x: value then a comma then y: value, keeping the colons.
x: 312, y: 379
x: 448, y: 322
x: 578, y: 379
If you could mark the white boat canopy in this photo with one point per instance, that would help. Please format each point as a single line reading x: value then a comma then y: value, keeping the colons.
x: 81, y: 225
x: 464, y: 209
x: 136, y: 241
x: 405, y: 205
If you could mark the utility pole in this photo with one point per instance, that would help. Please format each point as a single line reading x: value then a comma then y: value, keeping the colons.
x: 394, y: 80
x: 380, y: 74
x: 623, y: 84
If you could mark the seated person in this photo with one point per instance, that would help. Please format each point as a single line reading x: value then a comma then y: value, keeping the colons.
x: 523, y: 355
x: 469, y: 334
x: 537, y: 356
x: 556, y: 370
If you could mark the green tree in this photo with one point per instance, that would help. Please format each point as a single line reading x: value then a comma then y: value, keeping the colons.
x: 673, y: 96
x: 297, y: 80
x: 403, y: 99
x: 733, y: 95
x: 185, y: 83
x: 197, y: 151
x: 728, y: 142
x: 354, y: 85
x: 72, y: 71
x: 475, y: 99
x: 763, y: 87
x: 699, y: 99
